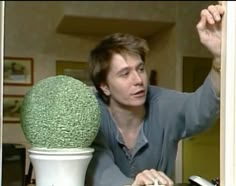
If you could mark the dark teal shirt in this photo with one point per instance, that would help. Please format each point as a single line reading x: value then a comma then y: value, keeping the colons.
x: 170, y: 117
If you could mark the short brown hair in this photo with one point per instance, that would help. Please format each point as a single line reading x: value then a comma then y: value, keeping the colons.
x: 101, y: 55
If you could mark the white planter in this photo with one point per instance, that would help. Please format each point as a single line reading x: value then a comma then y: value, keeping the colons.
x: 60, y: 167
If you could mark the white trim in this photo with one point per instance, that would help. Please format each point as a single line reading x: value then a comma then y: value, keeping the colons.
x: 178, y: 164
x: 2, y: 6
x: 228, y: 101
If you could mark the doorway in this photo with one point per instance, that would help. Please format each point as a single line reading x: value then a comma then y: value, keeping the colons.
x: 201, y: 153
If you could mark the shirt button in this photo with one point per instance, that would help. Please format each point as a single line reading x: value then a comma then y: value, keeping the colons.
x: 132, y: 168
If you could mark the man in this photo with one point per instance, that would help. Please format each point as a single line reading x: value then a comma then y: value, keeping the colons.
x: 141, y: 124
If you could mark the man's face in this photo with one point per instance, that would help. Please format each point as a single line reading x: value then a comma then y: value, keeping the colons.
x: 127, y: 81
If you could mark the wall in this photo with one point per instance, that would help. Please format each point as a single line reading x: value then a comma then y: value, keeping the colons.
x: 162, y: 56
x: 138, y: 10
x: 29, y: 34
x: 187, y: 40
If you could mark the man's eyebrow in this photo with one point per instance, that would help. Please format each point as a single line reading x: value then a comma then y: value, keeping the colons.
x: 122, y: 70
x: 141, y: 63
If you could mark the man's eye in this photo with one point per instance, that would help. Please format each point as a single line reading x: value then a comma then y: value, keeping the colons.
x: 124, y: 73
x: 141, y: 69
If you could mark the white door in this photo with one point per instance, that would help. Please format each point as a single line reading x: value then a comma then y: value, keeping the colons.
x: 1, y: 77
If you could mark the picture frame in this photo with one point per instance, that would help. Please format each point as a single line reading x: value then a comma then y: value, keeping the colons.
x: 76, y: 69
x: 11, y: 108
x: 18, y: 71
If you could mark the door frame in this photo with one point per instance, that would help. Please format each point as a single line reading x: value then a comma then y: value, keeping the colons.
x: 2, y: 9
x: 228, y: 99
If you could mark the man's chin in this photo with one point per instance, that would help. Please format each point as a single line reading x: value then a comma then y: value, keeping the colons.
x: 138, y: 103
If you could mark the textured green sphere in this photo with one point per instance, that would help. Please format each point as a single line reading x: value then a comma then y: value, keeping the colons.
x: 60, y: 112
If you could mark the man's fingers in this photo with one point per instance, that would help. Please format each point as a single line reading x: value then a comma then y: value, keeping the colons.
x: 201, y: 24
x: 205, y: 17
x: 214, y: 12
x: 220, y: 9
x: 159, y: 177
x: 143, y: 178
x: 148, y: 177
x: 211, y: 15
x: 162, y: 178
x: 169, y: 181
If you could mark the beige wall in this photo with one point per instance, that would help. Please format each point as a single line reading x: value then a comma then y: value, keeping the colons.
x: 162, y: 57
x: 138, y: 10
x: 181, y: 39
x: 187, y: 41
x: 29, y: 34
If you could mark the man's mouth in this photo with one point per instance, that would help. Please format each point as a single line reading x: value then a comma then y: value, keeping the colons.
x: 139, y: 93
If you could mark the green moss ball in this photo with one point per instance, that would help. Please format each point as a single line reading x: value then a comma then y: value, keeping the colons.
x: 60, y: 112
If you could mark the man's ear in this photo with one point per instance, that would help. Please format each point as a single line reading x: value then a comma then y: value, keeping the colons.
x: 105, y: 89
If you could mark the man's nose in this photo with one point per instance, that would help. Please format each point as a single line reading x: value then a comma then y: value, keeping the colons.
x: 137, y: 78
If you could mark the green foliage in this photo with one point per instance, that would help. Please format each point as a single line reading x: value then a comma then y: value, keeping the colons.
x: 60, y: 112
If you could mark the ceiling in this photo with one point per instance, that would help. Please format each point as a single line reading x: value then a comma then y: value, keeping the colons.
x: 75, y: 25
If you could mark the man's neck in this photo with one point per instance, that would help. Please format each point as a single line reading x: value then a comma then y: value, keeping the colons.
x: 127, y: 118
x: 128, y: 121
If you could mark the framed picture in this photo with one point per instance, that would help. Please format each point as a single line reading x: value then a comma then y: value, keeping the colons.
x: 75, y: 69
x: 11, y: 108
x: 18, y: 71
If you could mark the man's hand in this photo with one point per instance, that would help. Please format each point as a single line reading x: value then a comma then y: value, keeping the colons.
x: 147, y: 177
x: 209, y: 29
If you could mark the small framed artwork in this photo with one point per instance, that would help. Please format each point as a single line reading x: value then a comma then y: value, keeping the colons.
x: 11, y: 108
x: 18, y: 71
x: 75, y: 69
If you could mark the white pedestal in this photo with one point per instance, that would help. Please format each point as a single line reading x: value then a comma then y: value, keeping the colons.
x: 63, y: 167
